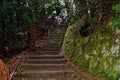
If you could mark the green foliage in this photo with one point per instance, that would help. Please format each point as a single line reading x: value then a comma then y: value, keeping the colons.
x: 117, y: 8
x: 54, y: 7
x: 95, y: 55
x: 116, y: 21
x: 18, y: 16
x: 97, y: 60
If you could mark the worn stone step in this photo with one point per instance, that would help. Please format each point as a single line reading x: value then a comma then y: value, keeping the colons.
x: 58, y: 77
x: 44, y: 73
x: 45, y: 47
x: 49, y: 49
x: 55, y: 47
x: 55, y: 36
x: 47, y: 61
x: 48, y: 75
x: 46, y: 52
x: 55, y: 40
x: 51, y: 52
x: 52, y: 44
x: 59, y: 37
x: 46, y: 57
x: 44, y: 66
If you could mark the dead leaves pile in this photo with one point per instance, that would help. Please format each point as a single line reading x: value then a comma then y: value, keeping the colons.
x: 4, y: 71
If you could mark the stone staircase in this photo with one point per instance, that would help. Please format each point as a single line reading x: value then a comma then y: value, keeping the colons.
x: 48, y: 62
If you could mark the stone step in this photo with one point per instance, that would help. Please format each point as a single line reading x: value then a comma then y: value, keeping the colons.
x: 58, y: 37
x: 49, y: 49
x: 58, y: 77
x: 46, y: 57
x: 48, y: 73
x: 51, y: 52
x: 48, y: 45
x: 47, y: 61
x: 56, y: 43
x: 56, y: 34
x: 55, y: 37
x: 45, y: 49
x: 44, y: 66
x: 55, y: 40
x: 53, y: 44
x: 46, y: 52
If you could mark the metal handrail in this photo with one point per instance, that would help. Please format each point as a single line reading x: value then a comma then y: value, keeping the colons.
x: 51, y: 28
x: 24, y: 53
x: 18, y: 62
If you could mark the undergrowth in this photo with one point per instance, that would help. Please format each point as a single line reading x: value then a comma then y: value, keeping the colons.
x: 97, y: 54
